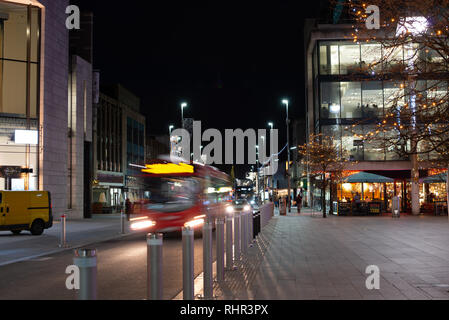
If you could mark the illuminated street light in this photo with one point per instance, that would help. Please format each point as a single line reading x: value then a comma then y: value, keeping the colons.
x: 286, y: 103
x: 183, y: 106
x: 170, y: 129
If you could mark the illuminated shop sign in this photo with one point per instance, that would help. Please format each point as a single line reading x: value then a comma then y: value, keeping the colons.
x: 26, y: 137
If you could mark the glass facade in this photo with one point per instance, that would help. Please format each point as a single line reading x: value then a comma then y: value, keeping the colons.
x: 358, y: 99
x: 19, y: 95
x: 347, y: 93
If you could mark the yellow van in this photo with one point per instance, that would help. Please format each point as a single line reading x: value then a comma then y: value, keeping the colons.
x: 25, y: 210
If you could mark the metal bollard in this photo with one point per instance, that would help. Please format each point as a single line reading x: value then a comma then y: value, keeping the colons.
x: 63, y: 240
x: 86, y: 261
x: 248, y: 235
x: 236, y: 237
x: 154, y: 266
x: 251, y: 228
x: 122, y: 222
x: 220, y: 249
x: 187, y: 263
x: 244, y: 241
x: 208, y: 281
x: 229, y: 253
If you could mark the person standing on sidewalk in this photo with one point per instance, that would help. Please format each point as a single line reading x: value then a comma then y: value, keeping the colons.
x: 299, y: 202
x: 128, y: 208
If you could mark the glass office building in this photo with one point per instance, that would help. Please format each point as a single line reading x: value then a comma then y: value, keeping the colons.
x: 346, y: 99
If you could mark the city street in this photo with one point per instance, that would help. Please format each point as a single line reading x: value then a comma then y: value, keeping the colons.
x: 312, y: 143
x: 121, y: 272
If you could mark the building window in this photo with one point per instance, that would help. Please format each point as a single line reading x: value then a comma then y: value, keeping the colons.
x: 351, y: 100
x: 372, y: 99
x: 353, y: 144
x: 329, y: 59
x: 330, y: 100
x: 333, y: 131
x: 371, y: 58
x: 373, y: 150
x: 394, y: 94
x: 349, y: 58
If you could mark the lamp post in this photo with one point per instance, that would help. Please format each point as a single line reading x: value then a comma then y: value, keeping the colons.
x: 263, y: 173
x: 183, y: 105
x: 170, y: 129
x: 286, y: 103
x: 257, y: 171
x: 271, y: 125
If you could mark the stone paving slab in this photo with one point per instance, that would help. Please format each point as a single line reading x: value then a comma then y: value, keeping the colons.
x: 306, y: 257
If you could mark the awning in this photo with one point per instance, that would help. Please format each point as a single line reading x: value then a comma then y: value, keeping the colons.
x: 364, y: 177
x: 438, y: 178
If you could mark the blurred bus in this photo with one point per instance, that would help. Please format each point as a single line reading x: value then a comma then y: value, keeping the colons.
x: 178, y: 195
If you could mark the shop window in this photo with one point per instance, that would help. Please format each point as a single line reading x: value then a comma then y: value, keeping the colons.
x: 349, y: 59
x: 351, y: 100
x: 330, y: 100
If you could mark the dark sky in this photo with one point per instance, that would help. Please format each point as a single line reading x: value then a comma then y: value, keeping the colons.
x: 232, y: 61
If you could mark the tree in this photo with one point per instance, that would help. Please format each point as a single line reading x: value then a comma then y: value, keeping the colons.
x: 410, y: 52
x: 325, y: 161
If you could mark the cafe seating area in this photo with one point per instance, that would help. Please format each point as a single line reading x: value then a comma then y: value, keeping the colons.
x: 372, y: 208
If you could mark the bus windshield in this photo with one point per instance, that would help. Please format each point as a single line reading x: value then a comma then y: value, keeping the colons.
x: 171, y: 194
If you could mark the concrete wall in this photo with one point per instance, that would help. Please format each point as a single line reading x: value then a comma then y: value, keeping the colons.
x: 54, y: 97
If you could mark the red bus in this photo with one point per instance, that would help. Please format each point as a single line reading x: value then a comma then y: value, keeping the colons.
x: 178, y: 195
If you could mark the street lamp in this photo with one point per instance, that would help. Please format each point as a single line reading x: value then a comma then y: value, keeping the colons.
x: 183, y: 105
x: 170, y: 129
x: 286, y: 103
x: 263, y: 172
x: 271, y: 125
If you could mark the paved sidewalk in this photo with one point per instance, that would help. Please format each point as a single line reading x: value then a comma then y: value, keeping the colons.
x: 307, y: 257
x: 15, y: 248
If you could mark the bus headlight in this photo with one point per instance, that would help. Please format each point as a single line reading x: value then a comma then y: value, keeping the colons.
x: 141, y: 225
x: 194, y: 223
x: 229, y: 209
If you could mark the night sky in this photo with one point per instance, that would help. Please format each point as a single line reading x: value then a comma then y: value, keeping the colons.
x: 232, y: 62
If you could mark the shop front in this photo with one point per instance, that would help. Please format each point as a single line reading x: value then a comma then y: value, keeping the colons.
x: 108, y: 196
x: 372, y: 198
